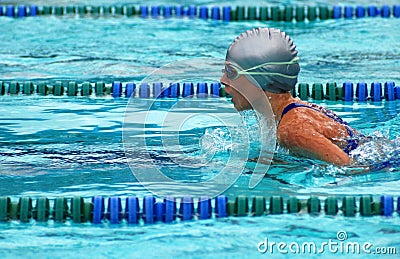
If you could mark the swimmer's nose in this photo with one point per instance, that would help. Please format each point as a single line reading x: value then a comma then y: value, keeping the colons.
x: 223, y: 81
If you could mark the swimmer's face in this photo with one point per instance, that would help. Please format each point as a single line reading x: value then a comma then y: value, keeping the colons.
x: 243, y: 92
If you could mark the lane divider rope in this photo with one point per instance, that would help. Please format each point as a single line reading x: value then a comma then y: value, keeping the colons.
x: 226, y: 13
x: 348, y: 91
x: 149, y: 210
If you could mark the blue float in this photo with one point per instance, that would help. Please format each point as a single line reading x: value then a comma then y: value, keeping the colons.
x: 174, y: 90
x: 116, y: 89
x: 148, y: 209
x: 170, y: 209
x: 130, y: 90
x: 185, y: 11
x: 33, y: 10
x: 387, y: 205
x: 226, y: 13
x: 337, y: 12
x: 159, y: 211
x: 1, y: 10
x: 348, y: 12
x: 396, y: 11
x: 361, y: 92
x: 114, y: 209
x: 376, y: 92
x: 21, y: 11
x: 204, y: 208
x: 155, y: 11
x: 389, y: 91
x: 220, y: 206
x: 186, y: 209
x: 98, y: 209
x: 360, y: 11
x: 188, y: 90
x: 348, y: 91
x: 398, y: 205
x: 215, y: 13
x: 397, y: 92
x: 178, y: 11
x: 157, y: 88
x: 10, y: 11
x: 132, y: 209
x: 385, y: 11
x: 202, y: 90
x: 144, y: 11
x: 214, y: 89
x: 144, y: 90
x: 192, y: 11
x: 167, y: 11
x: 372, y: 11
x: 203, y: 12
x: 165, y: 92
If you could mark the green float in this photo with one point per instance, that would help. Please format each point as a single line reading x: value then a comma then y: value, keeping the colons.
x: 293, y: 205
x: 317, y: 92
x: 41, y: 212
x: 59, y: 10
x: 241, y: 206
x: 276, y: 205
x: 349, y: 206
x: 2, y: 88
x: 288, y: 14
x: 252, y: 13
x: 14, y: 88
x: 323, y: 12
x: 86, y: 89
x: 60, y: 211
x: 25, y: 209
x: 264, y: 13
x: 330, y: 91
x: 258, y: 206
x: 366, y: 206
x: 107, y: 10
x: 331, y: 206
x: 100, y: 88
x: 28, y: 88
x: 70, y: 9
x: 240, y: 13
x: 311, y: 13
x: 304, y: 91
x: 4, y: 208
x: 118, y: 10
x: 72, y: 89
x: 300, y: 13
x: 276, y: 14
x: 314, y: 205
x: 42, y: 88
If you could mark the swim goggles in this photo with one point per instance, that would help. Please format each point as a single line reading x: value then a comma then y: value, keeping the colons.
x: 233, y: 72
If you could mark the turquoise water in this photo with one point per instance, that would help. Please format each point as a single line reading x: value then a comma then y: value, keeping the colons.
x: 53, y: 146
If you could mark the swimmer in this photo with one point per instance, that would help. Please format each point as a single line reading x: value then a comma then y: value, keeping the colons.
x: 264, y: 62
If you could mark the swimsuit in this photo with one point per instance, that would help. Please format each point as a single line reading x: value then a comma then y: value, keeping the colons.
x: 352, y: 140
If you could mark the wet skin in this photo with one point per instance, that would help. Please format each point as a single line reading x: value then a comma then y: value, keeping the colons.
x: 305, y: 132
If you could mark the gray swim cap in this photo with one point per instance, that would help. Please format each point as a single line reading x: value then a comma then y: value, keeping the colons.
x: 263, y: 45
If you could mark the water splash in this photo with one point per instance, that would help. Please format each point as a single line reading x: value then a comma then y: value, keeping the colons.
x: 218, y: 140
x: 377, y: 149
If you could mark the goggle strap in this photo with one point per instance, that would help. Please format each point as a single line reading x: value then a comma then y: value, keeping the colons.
x: 295, y: 60
x: 268, y: 73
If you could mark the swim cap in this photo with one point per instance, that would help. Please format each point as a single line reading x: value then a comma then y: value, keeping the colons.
x: 263, y: 45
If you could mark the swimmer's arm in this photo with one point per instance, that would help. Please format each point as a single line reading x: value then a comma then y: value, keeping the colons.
x: 320, y: 148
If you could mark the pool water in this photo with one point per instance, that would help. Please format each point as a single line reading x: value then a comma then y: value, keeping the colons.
x: 59, y: 146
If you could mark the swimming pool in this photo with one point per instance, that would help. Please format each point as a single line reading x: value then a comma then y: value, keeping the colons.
x: 73, y: 146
